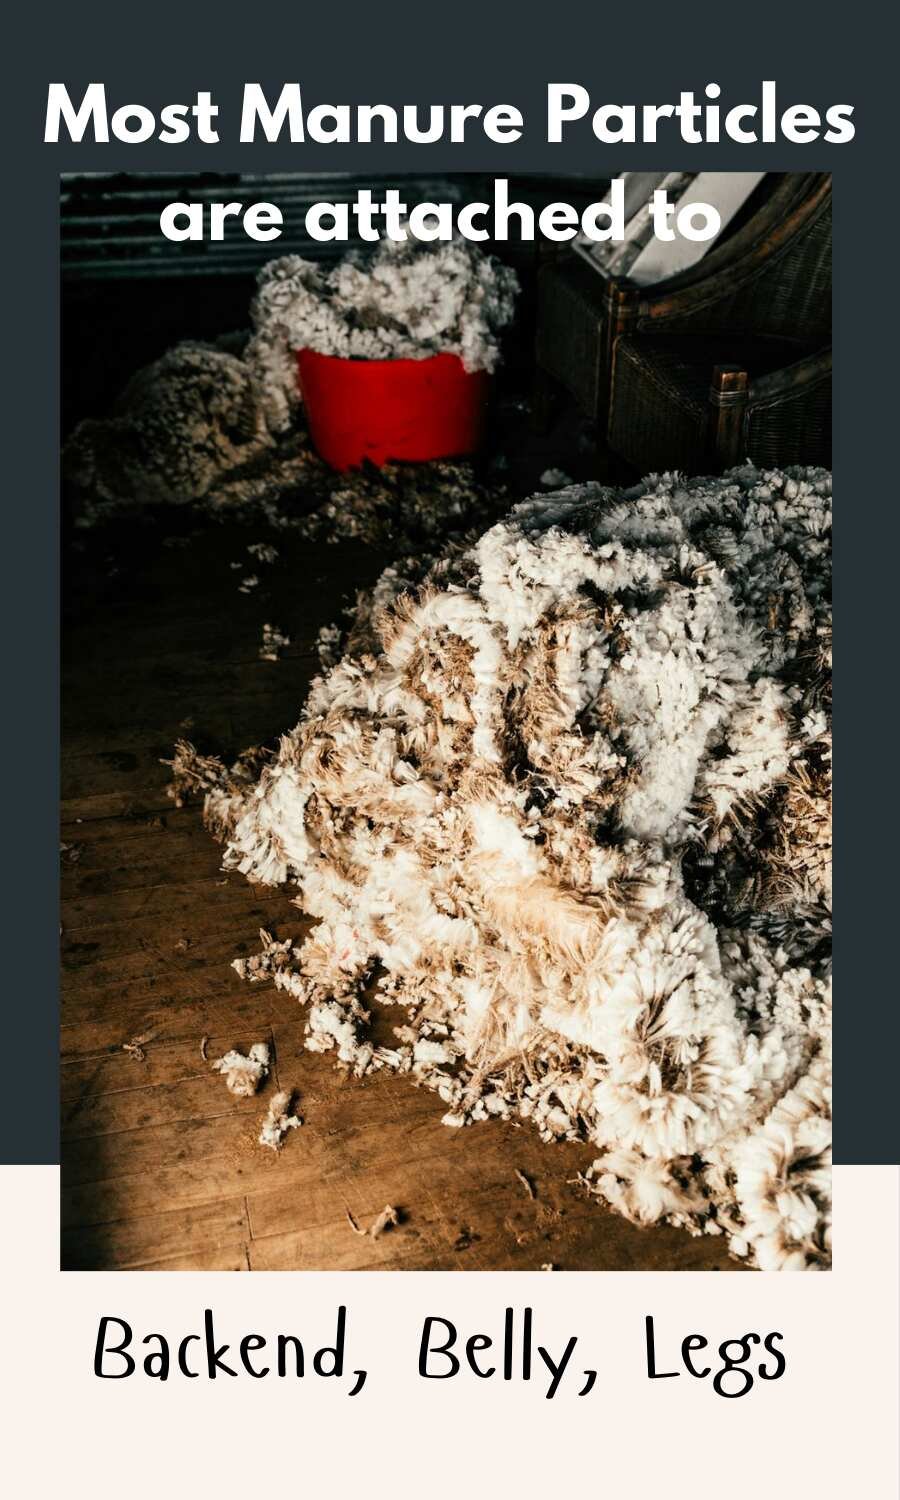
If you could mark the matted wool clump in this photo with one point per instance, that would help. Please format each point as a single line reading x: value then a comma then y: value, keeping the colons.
x: 179, y: 425
x: 566, y: 803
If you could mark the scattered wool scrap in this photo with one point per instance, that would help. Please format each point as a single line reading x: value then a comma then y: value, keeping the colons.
x: 389, y: 1218
x: 204, y: 1043
x: 248, y: 584
x: 406, y: 301
x: 273, y: 958
x: 264, y: 552
x: 279, y: 1120
x: 555, y: 479
x: 527, y: 1183
x: 136, y: 1047
x: 243, y: 1075
x: 273, y: 643
x: 567, y: 803
x: 328, y: 644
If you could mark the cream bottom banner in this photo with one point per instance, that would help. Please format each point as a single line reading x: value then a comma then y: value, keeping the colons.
x: 449, y: 1384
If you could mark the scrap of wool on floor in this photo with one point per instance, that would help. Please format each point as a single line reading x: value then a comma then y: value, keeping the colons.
x: 564, y: 802
x: 243, y: 1075
x: 278, y: 1121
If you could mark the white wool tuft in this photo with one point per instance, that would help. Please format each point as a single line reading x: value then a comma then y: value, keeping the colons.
x: 244, y: 1075
x: 278, y: 1121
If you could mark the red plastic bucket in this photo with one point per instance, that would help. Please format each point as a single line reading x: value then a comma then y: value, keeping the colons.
x: 381, y: 409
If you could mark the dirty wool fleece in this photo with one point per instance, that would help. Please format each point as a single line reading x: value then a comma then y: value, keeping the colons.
x: 565, y: 803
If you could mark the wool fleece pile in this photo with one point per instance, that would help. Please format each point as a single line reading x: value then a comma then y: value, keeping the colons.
x: 564, y: 801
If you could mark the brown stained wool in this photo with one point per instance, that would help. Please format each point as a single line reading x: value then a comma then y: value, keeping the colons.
x: 182, y: 421
x: 567, y: 804
x: 137, y: 1047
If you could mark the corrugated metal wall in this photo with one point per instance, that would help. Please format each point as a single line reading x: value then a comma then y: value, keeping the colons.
x: 109, y: 225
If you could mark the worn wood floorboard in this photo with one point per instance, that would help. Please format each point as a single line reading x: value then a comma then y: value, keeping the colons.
x: 160, y: 1165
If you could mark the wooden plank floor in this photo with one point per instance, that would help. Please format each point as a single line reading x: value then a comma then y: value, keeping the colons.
x: 160, y: 1165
